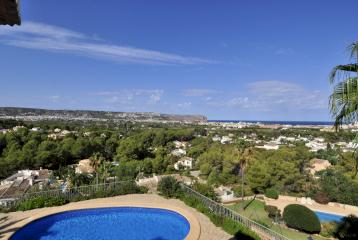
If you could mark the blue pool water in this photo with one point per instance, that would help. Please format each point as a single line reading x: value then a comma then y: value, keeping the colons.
x: 107, y: 223
x: 328, y: 217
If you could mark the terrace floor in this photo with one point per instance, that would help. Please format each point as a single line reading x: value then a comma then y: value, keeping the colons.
x: 200, y: 226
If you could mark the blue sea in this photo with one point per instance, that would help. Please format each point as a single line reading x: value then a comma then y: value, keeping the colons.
x: 293, y: 123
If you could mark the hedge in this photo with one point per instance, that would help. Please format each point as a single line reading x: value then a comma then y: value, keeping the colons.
x: 42, y: 201
x: 271, y: 193
x: 301, y: 218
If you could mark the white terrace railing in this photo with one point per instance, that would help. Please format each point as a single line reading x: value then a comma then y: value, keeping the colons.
x: 221, y: 210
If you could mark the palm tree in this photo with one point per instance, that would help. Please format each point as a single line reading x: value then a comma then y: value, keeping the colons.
x: 96, y: 160
x: 344, y: 99
x: 244, y: 153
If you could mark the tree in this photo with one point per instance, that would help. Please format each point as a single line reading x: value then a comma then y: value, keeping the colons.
x: 347, y: 229
x: 344, y: 99
x: 245, y: 153
x: 169, y: 187
x: 96, y: 161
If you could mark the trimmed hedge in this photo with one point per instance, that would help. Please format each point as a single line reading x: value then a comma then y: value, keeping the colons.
x: 301, y: 218
x: 271, y: 193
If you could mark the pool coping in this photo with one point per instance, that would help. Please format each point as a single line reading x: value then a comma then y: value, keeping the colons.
x: 194, y: 232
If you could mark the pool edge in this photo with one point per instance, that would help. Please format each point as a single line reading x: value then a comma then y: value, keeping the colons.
x: 194, y: 231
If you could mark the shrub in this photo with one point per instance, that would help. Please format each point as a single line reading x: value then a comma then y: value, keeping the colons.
x: 271, y: 193
x: 321, y: 197
x: 301, y: 218
x: 273, y: 211
x: 328, y: 229
x: 40, y: 202
x: 169, y: 187
x: 347, y: 229
x: 228, y: 225
x: 206, y: 190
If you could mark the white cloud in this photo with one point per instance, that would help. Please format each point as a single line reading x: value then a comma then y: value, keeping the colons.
x: 274, y: 96
x: 132, y: 96
x: 198, y: 92
x: 184, y: 105
x: 46, y: 37
x: 281, y: 95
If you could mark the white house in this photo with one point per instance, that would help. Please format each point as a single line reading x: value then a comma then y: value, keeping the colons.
x: 178, y: 152
x: 225, y: 194
x: 269, y: 146
x: 216, y: 138
x: 226, y: 140
x: 186, y: 162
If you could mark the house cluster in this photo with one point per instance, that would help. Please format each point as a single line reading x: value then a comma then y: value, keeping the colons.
x: 58, y: 134
x: 18, y: 183
x: 224, y: 139
x: 180, y: 151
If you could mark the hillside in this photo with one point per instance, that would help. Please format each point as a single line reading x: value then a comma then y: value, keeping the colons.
x: 35, y: 114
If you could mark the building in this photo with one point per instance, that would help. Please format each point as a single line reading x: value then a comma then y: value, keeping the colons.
x: 185, y: 162
x: 10, y: 12
x: 318, y: 165
x: 226, y: 140
x: 225, y: 194
x: 18, y: 183
x: 178, y: 152
x: 269, y: 146
x: 84, y: 167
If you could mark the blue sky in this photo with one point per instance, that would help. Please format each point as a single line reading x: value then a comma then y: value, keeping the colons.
x: 251, y: 60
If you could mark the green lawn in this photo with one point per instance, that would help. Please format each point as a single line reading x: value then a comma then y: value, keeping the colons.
x: 255, y: 211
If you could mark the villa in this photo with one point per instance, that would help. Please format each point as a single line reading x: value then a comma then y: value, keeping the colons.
x: 185, y: 162
x: 84, y: 167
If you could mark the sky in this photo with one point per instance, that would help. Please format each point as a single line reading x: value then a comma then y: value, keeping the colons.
x: 227, y: 60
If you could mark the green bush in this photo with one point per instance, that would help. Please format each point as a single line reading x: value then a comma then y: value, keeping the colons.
x: 273, y: 212
x: 271, y: 193
x: 301, y: 218
x: 40, y: 202
x: 347, y: 229
x: 206, y: 190
x: 328, y: 229
x: 169, y: 187
x: 321, y: 197
x: 101, y: 192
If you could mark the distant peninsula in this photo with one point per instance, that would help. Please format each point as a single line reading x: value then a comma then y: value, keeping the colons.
x: 35, y: 114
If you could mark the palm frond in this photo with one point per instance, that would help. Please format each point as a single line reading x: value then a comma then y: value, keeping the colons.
x: 353, y: 48
x: 344, y: 101
x: 342, y: 71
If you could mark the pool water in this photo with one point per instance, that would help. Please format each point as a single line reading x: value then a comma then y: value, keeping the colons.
x: 328, y: 217
x: 108, y: 223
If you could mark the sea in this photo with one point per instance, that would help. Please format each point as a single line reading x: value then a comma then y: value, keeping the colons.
x: 293, y: 123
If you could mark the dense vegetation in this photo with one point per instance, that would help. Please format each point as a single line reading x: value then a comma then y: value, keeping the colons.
x: 169, y: 187
x: 145, y: 149
x: 301, y: 218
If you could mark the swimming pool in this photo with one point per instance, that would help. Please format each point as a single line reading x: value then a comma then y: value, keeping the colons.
x: 108, y: 223
x: 328, y: 217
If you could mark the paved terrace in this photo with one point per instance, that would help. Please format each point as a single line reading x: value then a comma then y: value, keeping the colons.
x: 200, y: 226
